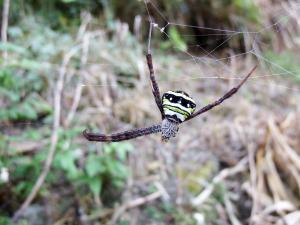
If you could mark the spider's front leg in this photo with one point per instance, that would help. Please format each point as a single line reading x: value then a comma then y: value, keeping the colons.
x: 155, y: 88
x: 227, y: 95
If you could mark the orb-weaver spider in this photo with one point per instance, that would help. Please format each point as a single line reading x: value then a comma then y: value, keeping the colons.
x: 175, y: 107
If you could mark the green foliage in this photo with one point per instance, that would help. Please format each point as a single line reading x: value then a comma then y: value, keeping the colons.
x: 23, y: 169
x: 219, y: 192
x: 123, y: 223
x: 26, y: 169
x: 154, y: 213
x: 107, y: 168
x: 287, y: 61
x: 57, y: 13
x: 6, y: 221
x: 65, y: 14
x: 175, y: 41
x: 35, y: 56
x: 165, y: 211
x: 20, y: 96
x: 24, y: 78
x: 10, y: 47
x: 100, y: 169
x: 247, y: 8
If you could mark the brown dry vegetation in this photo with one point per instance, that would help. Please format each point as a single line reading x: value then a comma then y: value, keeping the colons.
x: 237, y: 164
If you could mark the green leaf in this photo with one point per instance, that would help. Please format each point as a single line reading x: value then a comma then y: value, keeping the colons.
x: 95, y: 184
x: 12, y: 48
x: 109, y: 148
x: 11, y: 95
x: 6, y: 220
x: 94, y: 165
x: 111, y: 165
x: 176, y: 40
x: 122, y: 150
x: 66, y: 161
x: 8, y: 79
x: 29, y: 64
x: 120, y: 170
x: 118, y: 183
x: 28, y: 111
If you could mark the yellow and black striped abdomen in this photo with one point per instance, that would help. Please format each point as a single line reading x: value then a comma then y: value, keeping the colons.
x: 177, y: 105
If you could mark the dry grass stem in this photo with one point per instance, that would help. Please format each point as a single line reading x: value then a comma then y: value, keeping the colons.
x: 277, y: 177
x: 135, y: 203
x: 4, y: 25
x: 54, y: 136
x: 204, y: 195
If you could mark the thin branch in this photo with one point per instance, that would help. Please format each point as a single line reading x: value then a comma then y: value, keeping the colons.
x: 231, y: 211
x: 76, y: 100
x: 103, y: 212
x: 78, y: 91
x: 135, y: 203
x: 84, y: 37
x: 54, y: 137
x: 253, y: 178
x: 5, y: 14
x: 204, y: 195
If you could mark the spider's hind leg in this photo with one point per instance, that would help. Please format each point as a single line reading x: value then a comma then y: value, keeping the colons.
x: 121, y: 136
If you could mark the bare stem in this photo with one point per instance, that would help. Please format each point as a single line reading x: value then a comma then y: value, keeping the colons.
x: 4, y: 25
x: 54, y: 137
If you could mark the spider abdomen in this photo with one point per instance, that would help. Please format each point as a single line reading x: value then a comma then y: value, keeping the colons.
x: 178, y: 105
x: 169, y: 128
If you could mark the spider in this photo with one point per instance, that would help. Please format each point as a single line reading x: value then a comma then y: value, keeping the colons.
x: 175, y: 107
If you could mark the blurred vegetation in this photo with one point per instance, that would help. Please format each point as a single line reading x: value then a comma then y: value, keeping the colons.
x: 285, y: 61
x: 65, y: 14
x: 40, y: 32
x: 62, y: 12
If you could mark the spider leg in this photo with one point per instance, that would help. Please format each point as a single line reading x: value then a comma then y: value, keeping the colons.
x: 155, y: 88
x: 121, y: 136
x: 223, y: 98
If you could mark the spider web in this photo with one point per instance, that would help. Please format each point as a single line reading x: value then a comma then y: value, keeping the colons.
x: 208, y: 58
x: 211, y: 64
x: 272, y: 82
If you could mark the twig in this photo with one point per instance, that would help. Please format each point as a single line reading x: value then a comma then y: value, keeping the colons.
x: 99, y: 214
x: 135, y: 203
x: 204, y: 195
x: 5, y: 14
x: 65, y: 219
x: 163, y: 191
x: 78, y: 91
x: 253, y: 180
x: 54, y: 137
x: 83, y: 61
x: 230, y: 211
x: 75, y: 104
x: 118, y: 212
x: 280, y: 140
x: 86, y: 19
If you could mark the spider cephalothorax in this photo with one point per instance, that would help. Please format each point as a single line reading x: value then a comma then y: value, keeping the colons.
x: 175, y: 107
